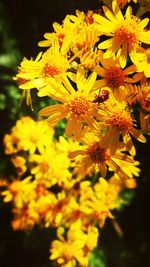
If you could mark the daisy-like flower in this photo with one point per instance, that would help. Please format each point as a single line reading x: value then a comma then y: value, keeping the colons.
x: 97, y: 157
x: 126, y: 33
x: 18, y: 190
x: 22, y: 78
x: 104, y: 194
x: 37, y: 73
x: 54, y: 171
x: 76, y: 248
x: 65, y: 32
x: 120, y: 124
x: 77, y: 104
x: 76, y: 32
x: 114, y: 76
x: 28, y: 135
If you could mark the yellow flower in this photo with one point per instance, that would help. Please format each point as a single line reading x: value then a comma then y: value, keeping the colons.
x: 22, y: 79
x: 126, y: 33
x: 77, y: 32
x: 51, y: 167
x: 114, y: 76
x: 29, y: 135
x: 94, y: 155
x: 77, y: 106
x: 104, y: 195
x: 37, y: 73
x: 18, y: 191
x: 119, y: 123
x: 65, y: 32
x: 76, y: 248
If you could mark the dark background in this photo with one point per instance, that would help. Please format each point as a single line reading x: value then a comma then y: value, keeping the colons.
x: 22, y: 25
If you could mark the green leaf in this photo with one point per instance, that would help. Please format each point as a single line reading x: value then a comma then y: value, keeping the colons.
x: 97, y: 258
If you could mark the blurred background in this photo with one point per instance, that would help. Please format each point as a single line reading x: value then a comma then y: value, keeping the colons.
x: 22, y: 25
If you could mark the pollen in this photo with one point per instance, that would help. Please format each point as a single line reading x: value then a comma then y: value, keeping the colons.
x: 98, y: 154
x: 51, y: 71
x: 79, y: 107
x: 126, y: 36
x: 120, y: 120
x: 114, y: 77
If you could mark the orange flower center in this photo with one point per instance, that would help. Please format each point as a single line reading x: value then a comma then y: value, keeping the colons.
x: 123, y: 35
x: 120, y: 120
x: 51, y: 70
x: 79, y: 107
x: 122, y: 3
x: 40, y: 189
x: 114, y: 77
x: 44, y: 166
x: 98, y: 154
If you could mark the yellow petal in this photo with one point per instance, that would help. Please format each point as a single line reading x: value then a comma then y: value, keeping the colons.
x: 140, y: 137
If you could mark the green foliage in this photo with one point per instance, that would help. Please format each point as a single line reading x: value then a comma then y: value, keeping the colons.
x: 127, y: 195
x: 97, y: 258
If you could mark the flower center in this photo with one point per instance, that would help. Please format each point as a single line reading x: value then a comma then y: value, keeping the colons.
x: 40, y: 189
x: 79, y: 107
x: 123, y: 35
x: 114, y: 77
x: 122, y: 3
x: 44, y: 166
x: 98, y: 154
x: 120, y: 120
x: 51, y: 70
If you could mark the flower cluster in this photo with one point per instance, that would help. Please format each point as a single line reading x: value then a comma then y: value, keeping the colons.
x: 53, y: 190
x: 96, y: 69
